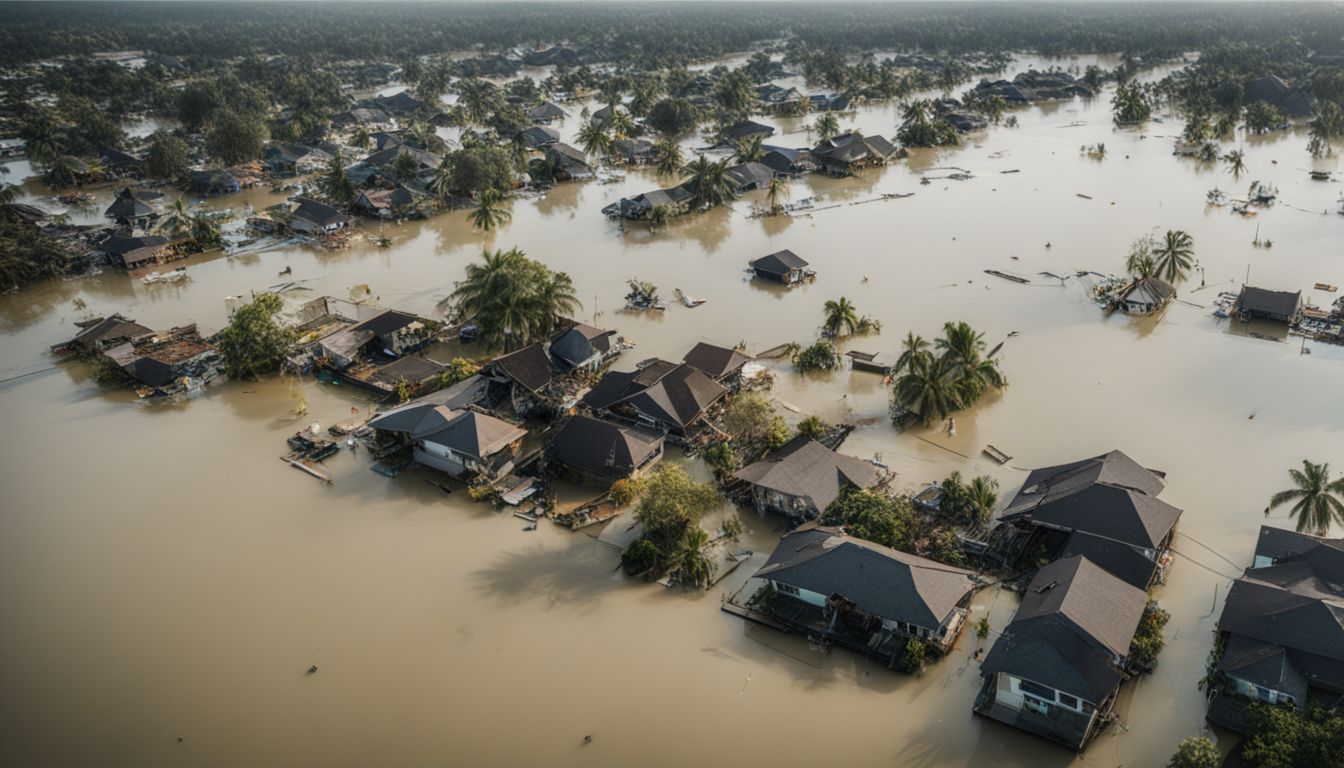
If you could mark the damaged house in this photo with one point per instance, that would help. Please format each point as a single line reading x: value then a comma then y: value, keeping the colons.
x: 801, y: 479
x: 721, y: 364
x: 661, y: 395
x: 131, y: 208
x: 175, y: 362
x: 375, y: 352
x: 849, y: 153
x: 603, y: 451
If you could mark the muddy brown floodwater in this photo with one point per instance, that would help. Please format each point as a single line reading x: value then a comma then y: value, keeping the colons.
x: 163, y: 577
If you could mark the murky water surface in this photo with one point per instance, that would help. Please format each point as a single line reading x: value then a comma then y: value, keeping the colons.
x: 163, y: 576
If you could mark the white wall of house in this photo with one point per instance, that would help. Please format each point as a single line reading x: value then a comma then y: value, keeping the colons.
x: 811, y: 598
x: 1260, y: 692
x: 444, y: 458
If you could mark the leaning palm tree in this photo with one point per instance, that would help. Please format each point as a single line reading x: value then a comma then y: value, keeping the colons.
x: 749, y: 150
x: 981, y: 497
x: 442, y: 183
x: 913, y: 346
x: 1236, y: 163
x: 929, y: 388
x: 841, y: 318
x: 670, y: 161
x: 1174, y: 255
x: 489, y: 213
x: 594, y: 139
x: 177, y: 218
x: 1320, y: 500
x: 691, y: 563
x: 622, y: 125
x: 777, y: 191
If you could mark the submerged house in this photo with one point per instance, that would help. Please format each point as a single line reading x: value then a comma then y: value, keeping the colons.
x: 385, y: 203
x: 538, y: 136
x: 165, y: 364
x: 314, y: 218
x: 1281, y: 94
x: 676, y: 200
x: 746, y: 130
x: 749, y: 176
x: 782, y: 266
x: 546, y: 112
x: 216, y: 181
x: 570, y: 163
x: 661, y: 395
x: 1105, y: 508
x: 525, y: 375
x: 848, y: 153
x: 461, y: 442
x: 1058, y: 665
x: 129, y: 209
x: 289, y: 159
x: 633, y: 151
x: 721, y: 364
x: 1259, y: 303
x: 801, y: 479
x: 104, y: 332
x: 1144, y: 296
x: 1280, y: 636
x: 128, y: 251
x: 863, y: 596
x: 603, y: 451
x: 582, y: 347
x: 389, y: 332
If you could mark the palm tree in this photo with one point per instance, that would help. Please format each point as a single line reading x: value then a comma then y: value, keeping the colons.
x: 914, y: 346
x: 1175, y: 255
x: 1236, y: 164
x: 709, y: 181
x: 1320, y: 501
x: 777, y: 191
x: 929, y: 388
x: 691, y: 563
x: 594, y: 139
x: 204, y: 231
x: 61, y: 172
x: 513, y: 299
x: 177, y: 218
x: 749, y: 150
x: 841, y: 319
x: 442, y: 183
x: 489, y: 214
x: 361, y: 138
x: 828, y: 125
x: 961, y: 346
x: 622, y: 125
x: 337, y: 184
x: 981, y: 497
x: 670, y: 161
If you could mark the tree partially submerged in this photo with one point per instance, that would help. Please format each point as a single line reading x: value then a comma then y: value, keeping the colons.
x: 254, y: 343
x: 514, y: 300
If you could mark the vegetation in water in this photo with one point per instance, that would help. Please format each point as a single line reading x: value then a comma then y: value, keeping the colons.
x: 821, y: 356
x: 255, y: 343
x: 933, y: 384
x: 1318, y: 500
x: 1195, y: 752
x: 514, y: 300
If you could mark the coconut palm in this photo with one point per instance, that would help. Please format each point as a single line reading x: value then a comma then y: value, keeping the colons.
x: 709, y: 181
x: 177, y: 218
x: 914, y: 346
x: 981, y: 497
x: 204, y: 231
x: 621, y: 124
x: 670, y: 161
x: 61, y: 172
x: 961, y: 346
x: 841, y: 318
x: 442, y: 183
x: 594, y: 139
x: 361, y: 138
x: 337, y: 184
x: 489, y: 213
x: 827, y: 125
x: 513, y: 299
x: 691, y: 563
x: 1320, y: 500
x: 777, y: 191
x: 1236, y: 163
x: 929, y: 388
x: 1174, y: 255
x: 749, y: 150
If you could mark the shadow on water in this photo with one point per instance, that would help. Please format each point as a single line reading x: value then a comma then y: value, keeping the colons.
x: 572, y: 574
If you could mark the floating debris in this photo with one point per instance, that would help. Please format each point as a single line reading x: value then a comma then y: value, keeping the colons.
x: 1006, y: 276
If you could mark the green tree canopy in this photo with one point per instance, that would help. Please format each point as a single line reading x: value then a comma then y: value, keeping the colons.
x: 254, y: 343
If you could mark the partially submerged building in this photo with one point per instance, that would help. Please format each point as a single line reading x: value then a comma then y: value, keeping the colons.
x: 868, y: 598
x: 131, y: 209
x: 570, y: 163
x: 1144, y: 296
x: 661, y: 395
x: 1263, y: 304
x: 463, y: 443
x: 783, y: 266
x: 546, y: 112
x: 1057, y: 667
x: 318, y: 219
x: 1105, y: 508
x: 675, y: 200
x: 801, y: 479
x: 721, y: 364
x: 849, y: 153
x: 1281, y: 637
x: 156, y: 364
x: 603, y: 451
x: 103, y: 332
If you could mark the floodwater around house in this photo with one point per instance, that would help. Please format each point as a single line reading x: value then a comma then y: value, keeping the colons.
x: 163, y: 576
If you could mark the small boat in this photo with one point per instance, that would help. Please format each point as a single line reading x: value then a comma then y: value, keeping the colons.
x: 1326, y: 287
x: 997, y: 455
x: 1006, y: 276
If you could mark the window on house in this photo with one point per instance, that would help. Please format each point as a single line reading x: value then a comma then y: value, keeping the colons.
x: 786, y: 589
x: 1069, y: 701
x: 1037, y: 690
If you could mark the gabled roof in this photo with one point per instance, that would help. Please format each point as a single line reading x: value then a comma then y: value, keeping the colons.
x: 578, y: 344
x: 567, y: 153
x: 401, y: 101
x: 1110, y: 496
x: 467, y: 432
x: 616, y: 386
x: 1074, y: 618
x: 678, y: 398
x: 529, y: 367
x: 120, y: 243
x: 546, y: 111
x: 107, y: 329
x: 1264, y: 664
x: 1148, y: 290
x: 806, y: 469
x: 779, y: 262
x: 1119, y: 559
x: 716, y: 362
x: 129, y: 206
x: 747, y: 128
x: 749, y: 174
x: 539, y: 135
x: 602, y: 447
x: 384, y: 158
x: 318, y: 213
x: 889, y: 583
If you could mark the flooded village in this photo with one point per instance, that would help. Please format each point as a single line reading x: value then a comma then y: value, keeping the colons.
x: 981, y: 405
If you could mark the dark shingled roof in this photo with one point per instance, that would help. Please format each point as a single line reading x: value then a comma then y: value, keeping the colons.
x: 318, y: 213
x: 129, y: 206
x: 807, y: 469
x: 1264, y: 664
x: 716, y: 362
x: 601, y: 447
x: 412, y: 369
x: 1118, y: 558
x: 110, y: 329
x: 745, y: 129
x: 779, y: 262
x: 466, y: 431
x: 1263, y: 301
x: 1110, y: 496
x: 576, y: 345
x: 546, y: 111
x: 529, y: 366
x: 1073, y: 619
x: 892, y: 584
x: 678, y: 398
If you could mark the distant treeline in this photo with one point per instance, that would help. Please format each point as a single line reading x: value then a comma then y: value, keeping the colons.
x: 653, y: 34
